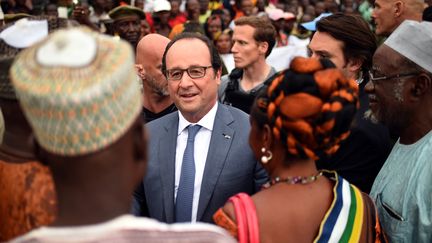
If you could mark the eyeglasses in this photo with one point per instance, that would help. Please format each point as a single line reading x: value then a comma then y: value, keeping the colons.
x: 194, y: 72
x: 401, y: 75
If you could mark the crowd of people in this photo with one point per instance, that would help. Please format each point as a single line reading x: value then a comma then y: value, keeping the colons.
x: 215, y: 121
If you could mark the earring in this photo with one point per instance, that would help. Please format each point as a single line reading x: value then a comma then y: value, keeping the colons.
x: 266, y: 158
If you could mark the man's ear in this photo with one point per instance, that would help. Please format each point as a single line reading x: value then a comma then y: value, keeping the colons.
x: 421, y: 86
x: 398, y: 8
x: 263, y: 47
x: 140, y: 70
x: 354, y: 65
x: 218, y: 75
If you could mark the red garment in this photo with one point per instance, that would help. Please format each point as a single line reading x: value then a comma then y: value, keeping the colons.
x: 149, y: 20
x: 179, y: 19
x: 28, y: 198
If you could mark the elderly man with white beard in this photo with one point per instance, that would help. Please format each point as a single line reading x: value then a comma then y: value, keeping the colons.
x: 400, y: 97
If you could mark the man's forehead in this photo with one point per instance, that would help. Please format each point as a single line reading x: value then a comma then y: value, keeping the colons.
x: 323, y: 41
x: 189, y: 48
x: 245, y: 31
x: 383, y: 2
x: 128, y: 17
x: 385, y: 58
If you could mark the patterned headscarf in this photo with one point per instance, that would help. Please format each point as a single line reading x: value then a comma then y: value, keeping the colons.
x: 309, y: 107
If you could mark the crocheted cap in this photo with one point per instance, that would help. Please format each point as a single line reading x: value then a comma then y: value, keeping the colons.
x: 78, y: 90
x: 413, y: 40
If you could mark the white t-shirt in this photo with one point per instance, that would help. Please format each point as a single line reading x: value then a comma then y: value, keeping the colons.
x: 128, y: 228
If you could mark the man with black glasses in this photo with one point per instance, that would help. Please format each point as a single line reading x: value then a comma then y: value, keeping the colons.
x: 198, y: 156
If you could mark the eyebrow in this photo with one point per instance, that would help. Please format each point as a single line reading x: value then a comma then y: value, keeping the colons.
x: 320, y: 52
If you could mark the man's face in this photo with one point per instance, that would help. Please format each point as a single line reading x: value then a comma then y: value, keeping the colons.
x: 153, y: 74
x: 193, y: 97
x: 163, y: 16
x: 319, y: 8
x: 324, y: 45
x: 245, y: 47
x: 288, y: 25
x: 145, y: 28
x: 140, y: 4
x: 193, y: 9
x: 247, y: 7
x: 387, y: 97
x: 383, y: 16
x: 204, y: 4
x: 175, y: 7
x: 129, y: 28
x: 226, y: 17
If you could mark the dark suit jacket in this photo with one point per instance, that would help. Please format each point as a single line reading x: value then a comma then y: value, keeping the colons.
x: 230, y: 166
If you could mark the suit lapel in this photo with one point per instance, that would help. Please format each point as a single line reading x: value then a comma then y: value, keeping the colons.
x: 166, y: 153
x: 220, y: 144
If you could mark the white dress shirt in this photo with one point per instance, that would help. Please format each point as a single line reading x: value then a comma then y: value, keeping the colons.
x: 202, y: 142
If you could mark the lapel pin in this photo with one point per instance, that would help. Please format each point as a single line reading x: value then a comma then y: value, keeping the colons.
x: 226, y: 136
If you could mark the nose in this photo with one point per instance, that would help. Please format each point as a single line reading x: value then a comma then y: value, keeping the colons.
x: 185, y: 81
x: 234, y: 47
x: 373, y: 15
x: 369, y: 87
x: 132, y: 27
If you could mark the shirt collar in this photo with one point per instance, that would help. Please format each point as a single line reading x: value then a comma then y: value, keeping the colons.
x: 207, y: 121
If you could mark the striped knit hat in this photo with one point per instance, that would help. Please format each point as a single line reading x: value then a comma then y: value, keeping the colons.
x: 78, y: 90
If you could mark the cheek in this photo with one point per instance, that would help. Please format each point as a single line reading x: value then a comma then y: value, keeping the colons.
x: 172, y: 88
x: 338, y: 62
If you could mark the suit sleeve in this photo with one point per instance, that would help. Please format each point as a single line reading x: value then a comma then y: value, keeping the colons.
x: 139, y: 203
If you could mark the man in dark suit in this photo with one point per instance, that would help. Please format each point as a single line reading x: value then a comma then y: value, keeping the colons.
x: 189, y: 177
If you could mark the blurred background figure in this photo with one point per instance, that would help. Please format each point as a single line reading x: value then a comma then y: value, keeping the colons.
x: 223, y: 41
x: 145, y: 28
x: 204, y: 10
x: 176, y: 16
x: 213, y: 26
x: 161, y: 15
x: 127, y: 23
x: 279, y: 19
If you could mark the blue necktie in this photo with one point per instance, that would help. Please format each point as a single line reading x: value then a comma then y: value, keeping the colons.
x: 183, y: 206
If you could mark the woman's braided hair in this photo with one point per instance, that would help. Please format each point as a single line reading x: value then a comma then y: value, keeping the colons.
x: 309, y: 107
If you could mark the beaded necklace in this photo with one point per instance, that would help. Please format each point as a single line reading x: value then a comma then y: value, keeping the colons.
x: 294, y: 180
